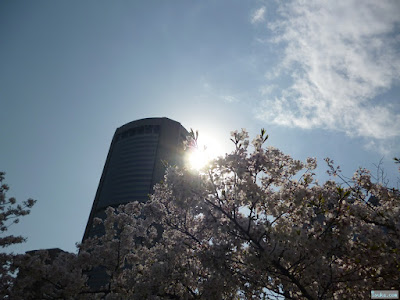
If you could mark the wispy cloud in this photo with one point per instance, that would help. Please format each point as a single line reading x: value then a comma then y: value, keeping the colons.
x: 258, y: 15
x: 341, y: 56
x: 227, y: 96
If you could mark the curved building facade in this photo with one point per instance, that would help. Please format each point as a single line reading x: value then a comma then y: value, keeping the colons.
x: 135, y: 162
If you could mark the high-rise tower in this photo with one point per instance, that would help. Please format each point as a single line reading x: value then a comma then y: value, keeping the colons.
x: 135, y: 162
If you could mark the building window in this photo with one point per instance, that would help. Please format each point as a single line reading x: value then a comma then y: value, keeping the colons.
x: 140, y: 130
x: 148, y: 129
x: 132, y: 132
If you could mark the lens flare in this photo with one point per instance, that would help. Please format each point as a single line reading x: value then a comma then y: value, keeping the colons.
x: 198, y: 159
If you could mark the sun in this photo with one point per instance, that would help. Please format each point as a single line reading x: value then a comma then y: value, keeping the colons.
x: 200, y: 157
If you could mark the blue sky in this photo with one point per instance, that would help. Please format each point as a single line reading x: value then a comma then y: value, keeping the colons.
x: 323, y: 78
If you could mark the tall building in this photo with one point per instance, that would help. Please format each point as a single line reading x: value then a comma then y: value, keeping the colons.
x: 135, y: 162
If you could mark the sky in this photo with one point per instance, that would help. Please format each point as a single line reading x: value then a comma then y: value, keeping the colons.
x: 322, y: 77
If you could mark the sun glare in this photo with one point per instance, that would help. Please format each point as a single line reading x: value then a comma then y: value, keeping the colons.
x: 199, y: 158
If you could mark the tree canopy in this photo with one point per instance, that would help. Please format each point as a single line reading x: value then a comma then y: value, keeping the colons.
x: 255, y: 223
x: 10, y: 212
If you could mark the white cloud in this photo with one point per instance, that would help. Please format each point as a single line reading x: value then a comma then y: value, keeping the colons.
x: 229, y: 98
x: 342, y: 56
x: 268, y: 89
x: 258, y: 15
x: 224, y: 95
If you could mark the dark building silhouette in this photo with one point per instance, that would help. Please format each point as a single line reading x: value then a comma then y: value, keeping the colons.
x: 135, y: 162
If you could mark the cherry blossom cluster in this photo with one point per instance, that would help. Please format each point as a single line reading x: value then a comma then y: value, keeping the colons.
x: 252, y: 224
x: 10, y: 211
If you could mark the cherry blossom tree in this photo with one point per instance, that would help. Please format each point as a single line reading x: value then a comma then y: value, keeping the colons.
x: 10, y: 212
x: 49, y: 274
x: 255, y: 223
